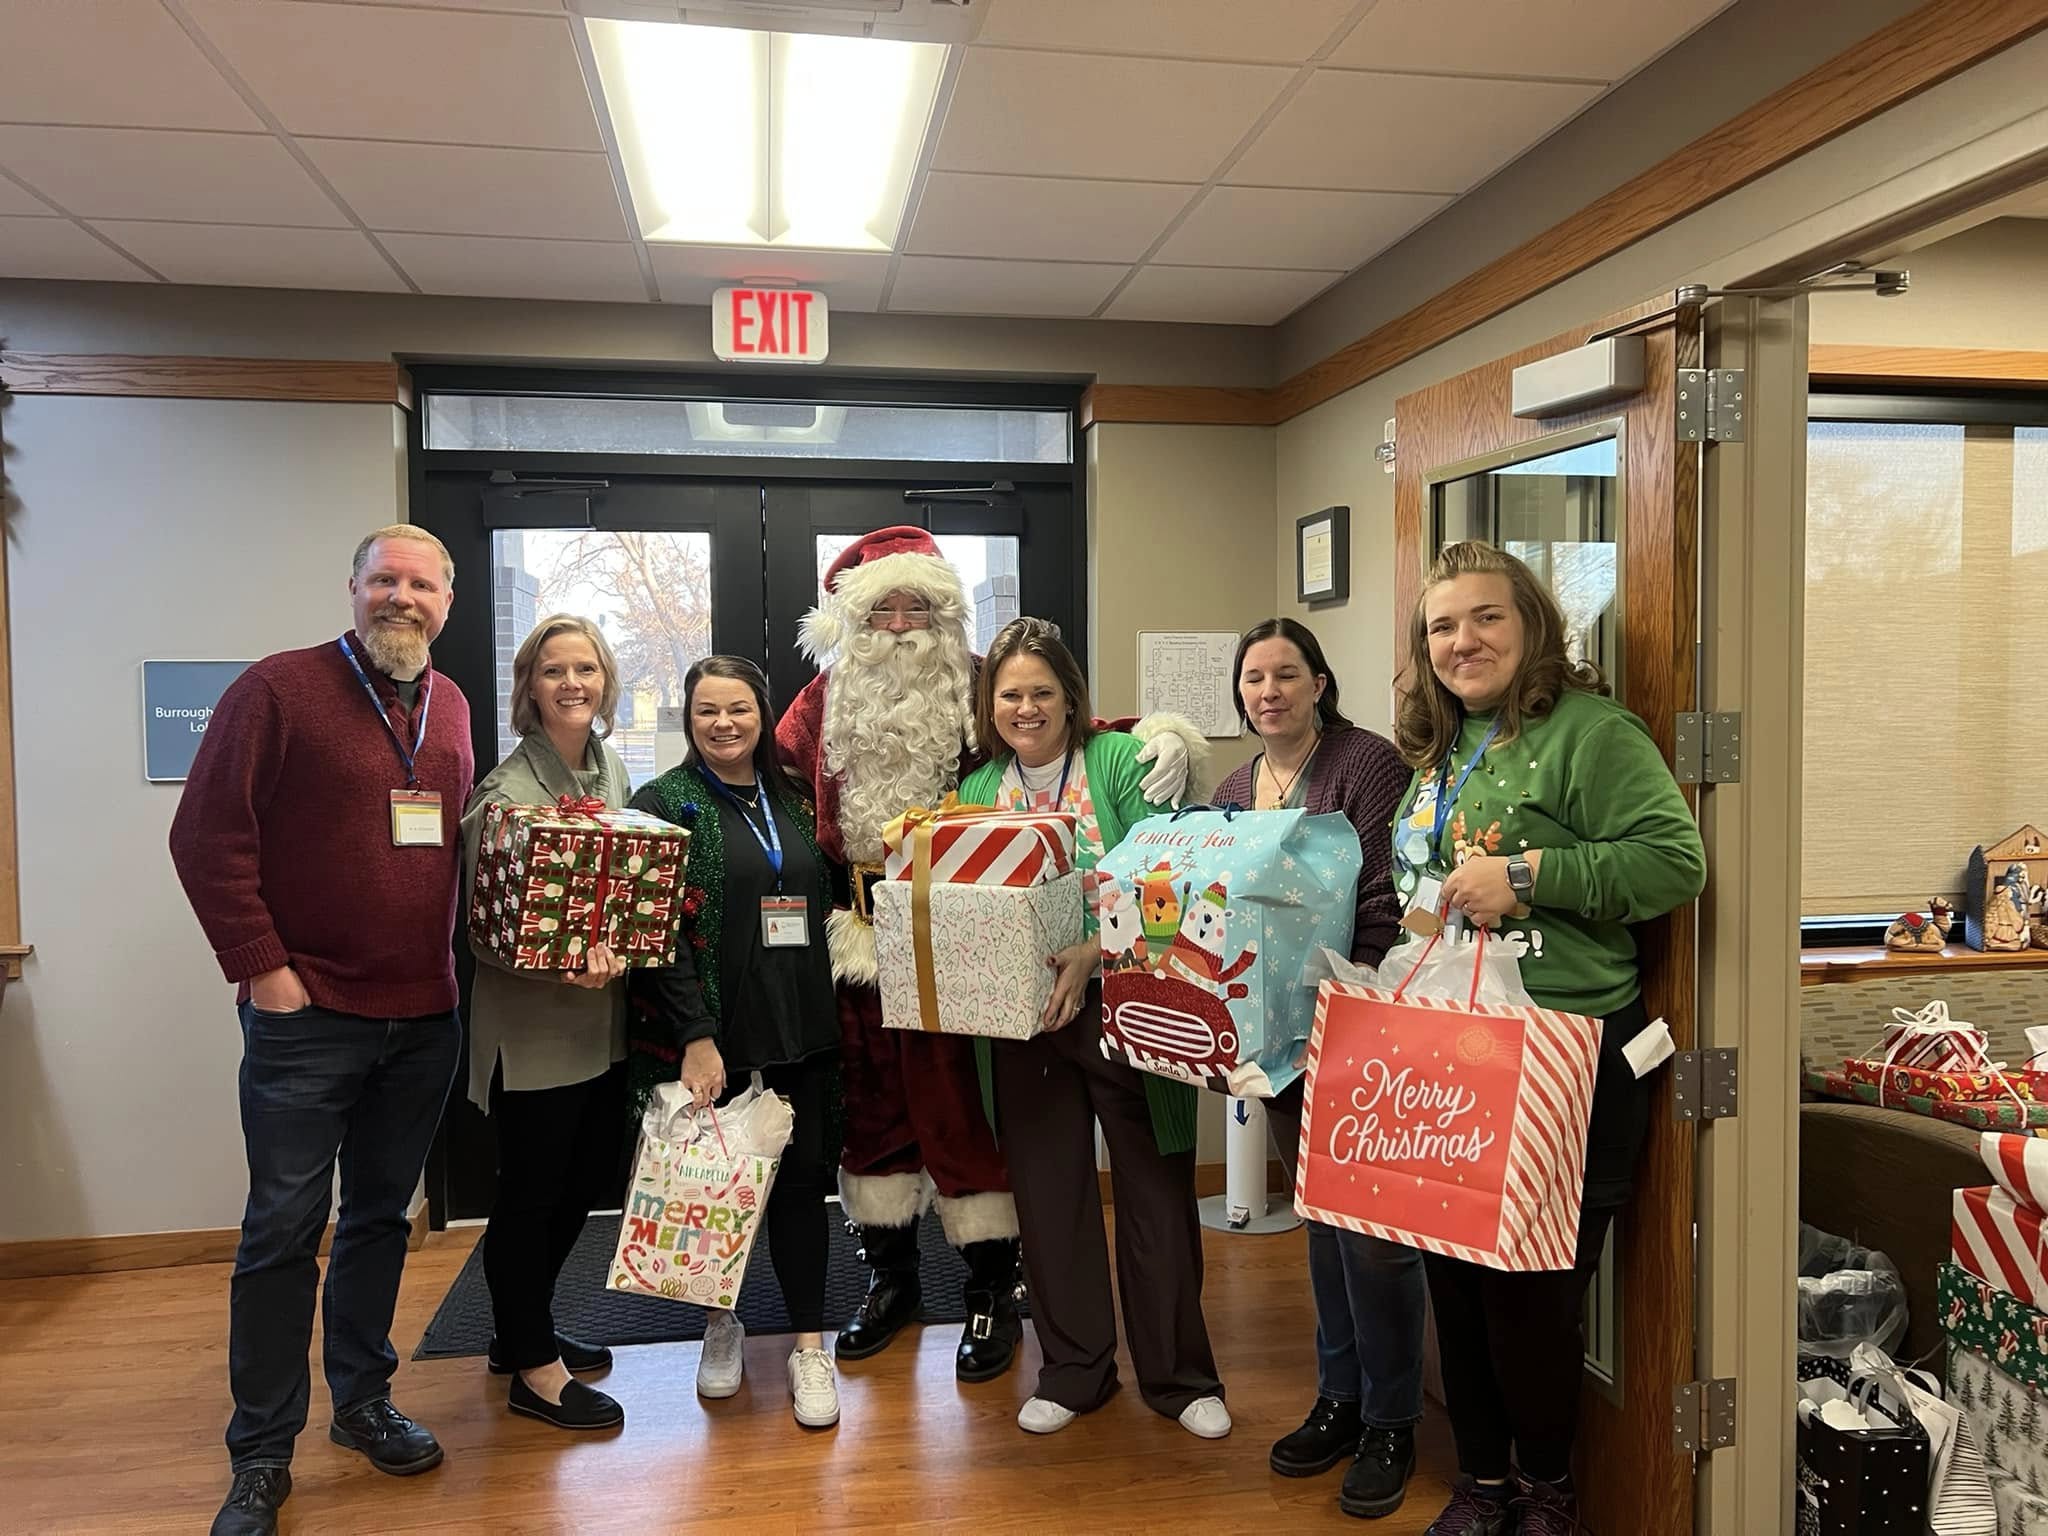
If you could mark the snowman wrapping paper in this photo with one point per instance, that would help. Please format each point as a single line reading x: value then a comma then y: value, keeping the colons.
x: 1213, y: 924
x: 552, y: 880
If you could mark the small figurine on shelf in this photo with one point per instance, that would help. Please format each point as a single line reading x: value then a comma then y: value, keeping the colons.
x: 1911, y: 933
x: 2005, y: 911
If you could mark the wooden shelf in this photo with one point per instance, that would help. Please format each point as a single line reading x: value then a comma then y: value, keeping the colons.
x: 1820, y: 966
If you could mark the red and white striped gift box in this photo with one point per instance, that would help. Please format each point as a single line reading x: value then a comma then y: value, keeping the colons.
x: 1999, y: 1240
x: 980, y: 847
x: 2020, y: 1165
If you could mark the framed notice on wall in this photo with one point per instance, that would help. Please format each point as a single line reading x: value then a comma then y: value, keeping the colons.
x: 177, y: 703
x: 1322, y: 556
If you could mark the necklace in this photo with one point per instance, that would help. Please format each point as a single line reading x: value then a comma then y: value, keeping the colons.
x: 1282, y: 789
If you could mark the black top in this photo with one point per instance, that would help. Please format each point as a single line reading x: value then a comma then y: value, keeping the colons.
x: 775, y: 1005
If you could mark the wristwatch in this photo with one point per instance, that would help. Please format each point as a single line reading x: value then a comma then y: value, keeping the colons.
x: 1521, y: 878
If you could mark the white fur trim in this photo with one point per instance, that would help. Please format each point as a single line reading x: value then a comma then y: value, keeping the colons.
x: 930, y: 577
x: 977, y: 1218
x: 883, y: 1199
x: 851, y: 944
x: 1191, y: 737
x: 820, y: 633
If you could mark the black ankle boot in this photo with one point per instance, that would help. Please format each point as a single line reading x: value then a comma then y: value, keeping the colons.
x: 1378, y: 1479
x: 894, y: 1295
x: 988, y: 1342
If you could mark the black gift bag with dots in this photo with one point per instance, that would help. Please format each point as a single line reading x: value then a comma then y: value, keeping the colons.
x: 1861, y: 1482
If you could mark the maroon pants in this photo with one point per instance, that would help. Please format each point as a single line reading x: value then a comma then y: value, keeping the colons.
x: 913, y: 1100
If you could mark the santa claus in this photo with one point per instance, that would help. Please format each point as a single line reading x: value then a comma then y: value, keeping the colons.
x: 887, y: 725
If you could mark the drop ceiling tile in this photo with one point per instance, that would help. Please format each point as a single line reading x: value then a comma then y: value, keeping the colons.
x: 248, y: 256
x: 950, y: 285
x: 1059, y: 114
x: 451, y: 189
x: 519, y: 269
x: 59, y: 248
x: 386, y: 72
x: 130, y: 173
x: 1035, y: 216
x: 688, y: 274
x: 1188, y: 29
x: 1307, y: 231
x: 20, y: 202
x: 1600, y: 40
x: 1403, y: 133
x: 109, y: 61
x: 1216, y: 295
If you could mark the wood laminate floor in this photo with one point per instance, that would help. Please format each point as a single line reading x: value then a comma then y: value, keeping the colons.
x: 113, y: 1396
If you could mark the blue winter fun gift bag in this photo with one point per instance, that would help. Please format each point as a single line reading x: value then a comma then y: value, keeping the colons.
x: 1213, y: 924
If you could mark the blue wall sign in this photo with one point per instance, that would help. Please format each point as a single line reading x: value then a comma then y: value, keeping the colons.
x: 177, y: 702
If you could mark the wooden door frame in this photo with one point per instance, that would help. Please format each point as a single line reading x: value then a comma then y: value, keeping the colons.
x: 1466, y: 417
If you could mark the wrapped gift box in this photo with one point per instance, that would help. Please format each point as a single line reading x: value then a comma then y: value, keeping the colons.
x: 1982, y: 1114
x: 1987, y: 1318
x: 988, y: 953
x: 1926, y: 1084
x: 2009, y: 1422
x: 1999, y: 1240
x: 973, y: 846
x: 550, y: 882
x: 1931, y: 1040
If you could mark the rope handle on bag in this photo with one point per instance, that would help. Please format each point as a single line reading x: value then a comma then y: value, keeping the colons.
x: 1478, y: 964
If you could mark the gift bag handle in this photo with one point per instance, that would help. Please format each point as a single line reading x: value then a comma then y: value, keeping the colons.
x: 1478, y: 962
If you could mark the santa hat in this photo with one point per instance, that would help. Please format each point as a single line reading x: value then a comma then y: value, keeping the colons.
x: 1216, y: 895
x: 900, y: 559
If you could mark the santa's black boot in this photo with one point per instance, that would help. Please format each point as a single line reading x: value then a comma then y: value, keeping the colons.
x: 894, y: 1296
x: 988, y: 1342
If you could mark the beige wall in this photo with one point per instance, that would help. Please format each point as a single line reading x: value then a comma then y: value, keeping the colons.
x: 1986, y: 287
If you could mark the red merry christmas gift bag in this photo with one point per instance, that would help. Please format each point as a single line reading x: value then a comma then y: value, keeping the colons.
x: 1450, y: 1124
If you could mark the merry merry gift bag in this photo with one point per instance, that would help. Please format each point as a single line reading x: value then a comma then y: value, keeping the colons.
x: 1452, y: 1124
x: 1213, y: 927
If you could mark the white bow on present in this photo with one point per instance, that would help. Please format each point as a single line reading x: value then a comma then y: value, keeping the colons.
x: 1928, y: 1039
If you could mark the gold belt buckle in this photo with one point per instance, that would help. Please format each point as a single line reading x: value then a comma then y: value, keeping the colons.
x: 865, y: 877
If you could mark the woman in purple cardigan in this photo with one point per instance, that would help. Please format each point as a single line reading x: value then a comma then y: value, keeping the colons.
x: 1368, y: 1293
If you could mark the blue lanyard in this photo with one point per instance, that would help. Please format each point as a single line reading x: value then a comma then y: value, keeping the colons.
x: 406, y: 755
x: 771, y: 845
x: 1447, y: 792
x: 1059, y: 798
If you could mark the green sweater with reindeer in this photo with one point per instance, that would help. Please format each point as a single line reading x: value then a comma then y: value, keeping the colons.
x: 1587, y: 786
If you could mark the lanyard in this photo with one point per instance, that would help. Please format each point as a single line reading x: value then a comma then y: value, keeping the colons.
x: 1059, y: 798
x: 771, y: 845
x: 406, y: 755
x: 1447, y: 792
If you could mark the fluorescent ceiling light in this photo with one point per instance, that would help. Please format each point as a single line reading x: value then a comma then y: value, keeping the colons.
x: 766, y: 138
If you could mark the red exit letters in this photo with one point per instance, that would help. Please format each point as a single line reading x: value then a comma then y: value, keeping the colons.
x: 768, y: 324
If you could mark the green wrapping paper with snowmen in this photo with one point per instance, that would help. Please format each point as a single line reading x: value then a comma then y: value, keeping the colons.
x: 1213, y: 927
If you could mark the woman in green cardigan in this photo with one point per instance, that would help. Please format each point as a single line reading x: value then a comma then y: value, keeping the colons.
x: 1033, y: 714
x: 751, y: 994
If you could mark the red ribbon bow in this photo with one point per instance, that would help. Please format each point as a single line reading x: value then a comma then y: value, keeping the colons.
x: 580, y: 805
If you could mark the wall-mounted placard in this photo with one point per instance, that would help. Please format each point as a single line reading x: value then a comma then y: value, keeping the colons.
x: 1187, y: 672
x: 177, y: 703
x: 1322, y: 556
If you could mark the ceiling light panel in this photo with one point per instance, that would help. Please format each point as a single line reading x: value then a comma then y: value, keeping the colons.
x: 772, y: 139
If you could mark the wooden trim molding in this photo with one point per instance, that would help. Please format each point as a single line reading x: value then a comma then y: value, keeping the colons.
x: 1823, y: 967
x: 148, y: 1250
x: 1936, y: 366
x: 205, y: 378
x: 1183, y: 405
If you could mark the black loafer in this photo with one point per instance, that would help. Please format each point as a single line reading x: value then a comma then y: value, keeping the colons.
x: 392, y: 1442
x: 1328, y: 1435
x: 581, y: 1407
x: 251, y: 1506
x: 573, y: 1353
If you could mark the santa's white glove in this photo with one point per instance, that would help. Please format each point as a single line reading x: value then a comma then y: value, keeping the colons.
x: 1168, y: 780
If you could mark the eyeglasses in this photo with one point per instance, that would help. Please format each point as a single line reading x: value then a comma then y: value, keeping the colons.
x: 917, y: 617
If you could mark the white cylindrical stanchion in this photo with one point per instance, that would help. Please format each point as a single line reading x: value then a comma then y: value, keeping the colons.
x: 1244, y: 1205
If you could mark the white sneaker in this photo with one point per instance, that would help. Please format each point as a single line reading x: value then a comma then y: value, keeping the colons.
x: 1207, y: 1417
x: 723, y: 1359
x: 813, y: 1388
x: 1042, y: 1416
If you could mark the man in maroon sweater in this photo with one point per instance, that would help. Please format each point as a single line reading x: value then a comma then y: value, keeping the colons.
x: 317, y: 843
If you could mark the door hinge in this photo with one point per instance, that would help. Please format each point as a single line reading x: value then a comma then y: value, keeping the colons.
x: 1703, y: 1415
x: 1707, y: 747
x: 1704, y: 1085
x: 1710, y: 405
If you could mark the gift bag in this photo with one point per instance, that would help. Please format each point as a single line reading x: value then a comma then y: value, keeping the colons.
x: 1213, y: 923
x: 1864, y: 1455
x: 700, y: 1183
x: 1455, y: 1124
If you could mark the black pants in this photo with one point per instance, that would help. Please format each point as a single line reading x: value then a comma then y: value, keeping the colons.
x: 1512, y: 1345
x: 799, y: 1223
x: 561, y: 1155
x: 1050, y: 1092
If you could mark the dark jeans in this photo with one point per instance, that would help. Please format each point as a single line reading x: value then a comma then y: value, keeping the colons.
x: 316, y: 1085
x: 1368, y: 1294
x: 799, y: 1222
x: 561, y: 1155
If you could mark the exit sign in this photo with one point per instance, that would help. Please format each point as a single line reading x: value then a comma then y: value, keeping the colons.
x: 768, y: 325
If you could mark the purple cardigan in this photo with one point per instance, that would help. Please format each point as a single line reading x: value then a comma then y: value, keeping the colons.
x: 1360, y: 775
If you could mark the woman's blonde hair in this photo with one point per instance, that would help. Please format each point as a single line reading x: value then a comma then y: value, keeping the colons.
x: 525, y: 713
x: 1429, y: 716
x: 1040, y: 638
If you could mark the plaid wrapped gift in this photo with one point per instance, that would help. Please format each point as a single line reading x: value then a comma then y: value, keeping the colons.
x: 1980, y: 1114
x: 552, y: 880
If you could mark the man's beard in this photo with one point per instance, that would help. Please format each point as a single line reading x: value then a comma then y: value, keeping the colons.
x: 897, y: 715
x: 398, y: 650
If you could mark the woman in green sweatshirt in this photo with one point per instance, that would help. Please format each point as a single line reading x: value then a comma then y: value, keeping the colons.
x: 1539, y: 808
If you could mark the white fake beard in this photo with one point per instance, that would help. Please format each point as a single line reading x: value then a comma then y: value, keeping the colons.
x: 398, y: 650
x: 897, y: 714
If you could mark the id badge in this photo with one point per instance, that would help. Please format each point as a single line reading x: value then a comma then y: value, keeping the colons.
x: 785, y: 922
x: 416, y: 818
x: 1424, y: 915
